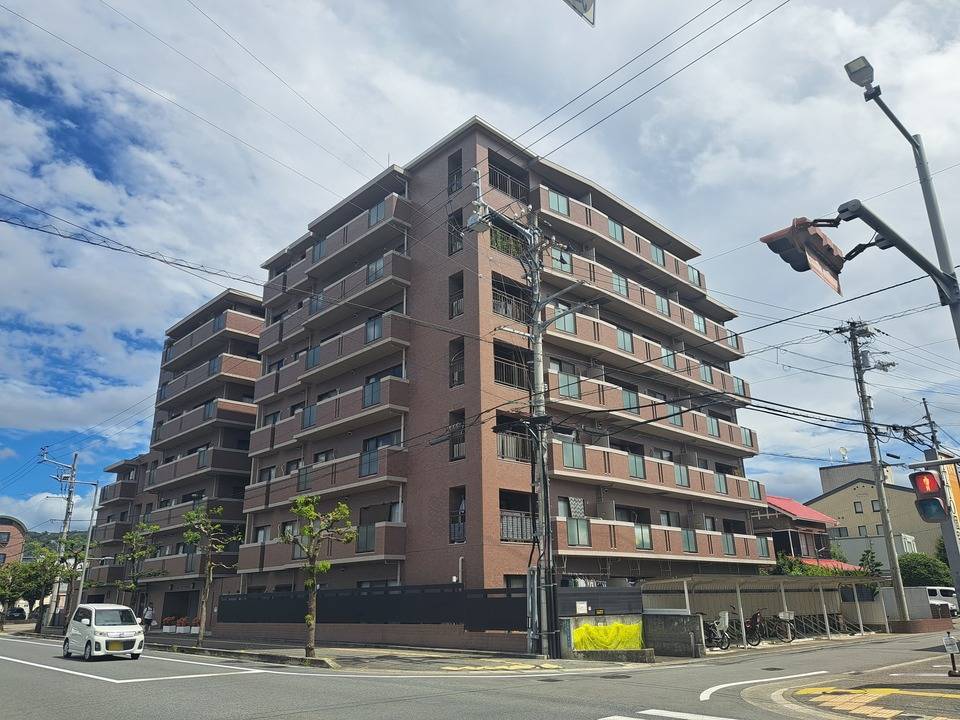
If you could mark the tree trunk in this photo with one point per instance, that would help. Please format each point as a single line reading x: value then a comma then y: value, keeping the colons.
x: 311, y: 621
x: 204, y: 599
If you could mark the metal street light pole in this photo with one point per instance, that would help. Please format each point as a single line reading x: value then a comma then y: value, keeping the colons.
x: 86, y: 550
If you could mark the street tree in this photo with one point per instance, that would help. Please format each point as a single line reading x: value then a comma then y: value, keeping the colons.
x: 74, y: 561
x: 869, y: 563
x: 313, y: 531
x: 39, y: 575
x: 138, y: 545
x: 11, y: 586
x: 941, y: 551
x: 206, y: 533
x: 920, y: 569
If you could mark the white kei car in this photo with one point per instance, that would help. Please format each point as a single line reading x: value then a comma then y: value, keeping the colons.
x: 100, y: 629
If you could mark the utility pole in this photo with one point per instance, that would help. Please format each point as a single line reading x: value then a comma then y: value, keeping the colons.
x: 71, y: 480
x: 531, y: 259
x: 951, y: 528
x: 86, y: 551
x: 854, y: 330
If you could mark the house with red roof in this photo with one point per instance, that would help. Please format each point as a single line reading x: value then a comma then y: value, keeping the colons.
x: 797, y: 531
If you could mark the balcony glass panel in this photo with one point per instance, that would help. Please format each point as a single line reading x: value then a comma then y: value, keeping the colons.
x: 643, y: 537
x: 615, y: 230
x: 720, y: 483
x: 729, y: 544
x: 669, y: 358
x: 369, y: 463
x: 561, y: 260
x: 638, y: 468
x: 689, y: 538
x: 308, y: 418
x: 376, y: 213
x: 700, y: 323
x: 631, y: 401
x: 763, y: 547
x: 625, y: 340
x: 573, y: 456
x: 569, y: 385
x: 713, y: 426
x: 371, y: 393
x: 578, y: 532
x: 663, y: 305
x: 620, y: 286
x: 374, y: 271
x: 374, y: 329
x: 675, y: 414
x: 656, y: 252
x: 706, y: 373
x: 754, y: 487
x: 366, y: 538
x: 681, y: 475
x: 558, y: 203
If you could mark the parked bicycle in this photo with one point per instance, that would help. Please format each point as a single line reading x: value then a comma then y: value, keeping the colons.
x: 715, y: 633
x: 753, y: 625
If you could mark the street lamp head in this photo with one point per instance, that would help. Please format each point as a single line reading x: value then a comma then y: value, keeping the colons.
x: 860, y: 72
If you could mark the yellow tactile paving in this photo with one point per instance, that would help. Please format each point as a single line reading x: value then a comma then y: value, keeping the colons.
x: 858, y: 702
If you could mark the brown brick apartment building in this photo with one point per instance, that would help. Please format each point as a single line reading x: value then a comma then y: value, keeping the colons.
x: 203, y: 417
x: 13, y: 537
x: 387, y: 359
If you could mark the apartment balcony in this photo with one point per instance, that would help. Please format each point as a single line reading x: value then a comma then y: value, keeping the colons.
x: 119, y: 491
x: 516, y: 526
x: 228, y: 325
x: 110, y: 532
x: 609, y: 467
x: 643, y: 306
x: 590, y: 226
x: 658, y: 417
x: 604, y: 342
x: 218, y: 461
x: 176, y: 567
x: 202, y: 381
x: 98, y: 575
x: 286, y: 330
x: 214, y: 413
x: 172, y: 516
x: 357, y: 473
x: 384, y: 541
x: 362, y: 406
x: 593, y: 537
x: 370, y: 286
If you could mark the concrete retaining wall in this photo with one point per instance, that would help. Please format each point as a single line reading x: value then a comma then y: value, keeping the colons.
x: 674, y: 635
x: 569, y: 624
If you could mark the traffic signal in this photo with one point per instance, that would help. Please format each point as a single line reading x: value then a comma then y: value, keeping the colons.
x: 806, y: 247
x: 931, y: 499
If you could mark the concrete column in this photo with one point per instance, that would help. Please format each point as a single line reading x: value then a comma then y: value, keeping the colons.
x: 856, y: 599
x: 743, y: 624
x: 823, y: 606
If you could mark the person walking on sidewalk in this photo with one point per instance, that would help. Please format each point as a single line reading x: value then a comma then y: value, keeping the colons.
x: 147, y: 618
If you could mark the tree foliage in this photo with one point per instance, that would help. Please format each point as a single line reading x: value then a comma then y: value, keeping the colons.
x: 313, y: 531
x: 941, y: 551
x: 138, y: 545
x: 837, y: 554
x: 920, y: 569
x: 207, y: 535
x: 11, y: 586
x: 869, y: 562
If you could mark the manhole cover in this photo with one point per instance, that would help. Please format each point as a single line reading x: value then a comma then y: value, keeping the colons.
x: 771, y: 669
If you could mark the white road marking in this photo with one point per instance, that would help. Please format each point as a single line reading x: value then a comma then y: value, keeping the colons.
x: 939, y: 675
x: 186, y: 677
x: 56, y: 669
x: 706, y: 694
x: 617, y: 717
x: 33, y: 642
x: 680, y: 715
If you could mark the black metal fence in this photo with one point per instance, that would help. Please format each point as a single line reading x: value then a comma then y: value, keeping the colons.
x: 487, y: 609
x: 609, y: 601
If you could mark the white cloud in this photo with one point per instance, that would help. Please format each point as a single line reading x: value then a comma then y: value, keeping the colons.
x: 43, y: 512
x: 7, y: 453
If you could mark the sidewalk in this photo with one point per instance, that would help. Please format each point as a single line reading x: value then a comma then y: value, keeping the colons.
x: 911, y: 691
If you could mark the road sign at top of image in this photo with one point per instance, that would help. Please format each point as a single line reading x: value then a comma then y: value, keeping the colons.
x: 587, y: 9
x: 805, y: 247
x: 930, y: 496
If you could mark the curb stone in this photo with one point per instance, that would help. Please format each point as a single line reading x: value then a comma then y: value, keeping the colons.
x: 320, y: 662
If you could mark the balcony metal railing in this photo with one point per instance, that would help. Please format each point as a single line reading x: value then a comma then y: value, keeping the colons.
x: 509, y: 306
x: 457, y: 375
x: 458, y: 528
x: 508, y: 184
x: 508, y: 372
x: 505, y: 242
x: 516, y: 526
x: 455, y: 181
x: 514, y: 446
x: 366, y: 538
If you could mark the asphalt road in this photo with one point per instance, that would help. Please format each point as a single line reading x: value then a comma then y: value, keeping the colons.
x: 36, y: 683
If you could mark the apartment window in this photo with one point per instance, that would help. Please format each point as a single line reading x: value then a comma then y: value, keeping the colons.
x: 631, y: 400
x: 763, y: 547
x: 706, y: 373
x: 710, y: 523
x: 720, y: 483
x: 694, y: 276
x: 841, y: 532
x: 458, y: 514
x: 568, y: 379
x: 455, y: 295
x: 567, y: 323
x: 455, y: 358
x: 266, y: 474
x: 637, y: 467
x: 261, y: 534
x: 376, y: 213
x: 374, y: 270
x: 713, y: 426
x: 662, y: 454
x: 317, y: 251
x: 373, y: 330
x: 558, y: 203
x: 454, y: 172
x: 663, y: 305
x: 858, y: 507
x: 573, y: 456
x: 875, y: 505
x: 699, y: 323
x: 327, y: 395
x: 689, y: 538
x: 615, y: 230
x: 675, y: 414
x: 682, y: 475
x: 455, y: 232
x: 624, y: 339
x: 670, y: 518
x: 291, y: 467
x: 296, y: 407
x: 668, y: 357
x: 738, y: 387
x: 746, y: 436
x: 271, y: 419
x: 4, y: 538
x: 561, y: 260
x: 659, y: 257
x: 370, y: 456
x: 733, y: 341
x: 754, y: 488
x: 323, y: 456
x: 620, y: 285
x: 457, y: 432
x: 862, y: 530
x: 880, y: 530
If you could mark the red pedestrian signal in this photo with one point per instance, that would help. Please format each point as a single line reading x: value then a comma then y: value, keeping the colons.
x: 931, y: 499
x: 806, y: 247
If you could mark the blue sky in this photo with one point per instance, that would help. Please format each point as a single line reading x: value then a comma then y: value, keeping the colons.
x: 766, y: 129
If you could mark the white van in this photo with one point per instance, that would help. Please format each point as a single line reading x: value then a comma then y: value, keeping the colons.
x: 944, y: 595
x: 99, y: 629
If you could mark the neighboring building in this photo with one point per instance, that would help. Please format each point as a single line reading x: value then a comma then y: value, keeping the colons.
x: 201, y: 436
x: 797, y: 531
x: 854, y: 547
x: 857, y: 510
x: 13, y: 537
x: 833, y: 476
x: 384, y: 331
